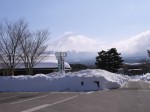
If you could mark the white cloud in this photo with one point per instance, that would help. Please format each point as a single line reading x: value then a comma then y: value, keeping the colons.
x: 73, y: 42
x: 136, y: 45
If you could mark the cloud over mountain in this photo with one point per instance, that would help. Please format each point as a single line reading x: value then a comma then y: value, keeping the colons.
x: 133, y: 46
x: 72, y: 42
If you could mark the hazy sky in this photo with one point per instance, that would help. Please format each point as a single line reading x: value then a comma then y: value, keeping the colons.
x: 107, y: 20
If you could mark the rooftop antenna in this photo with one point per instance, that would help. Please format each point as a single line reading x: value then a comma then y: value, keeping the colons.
x: 61, y: 61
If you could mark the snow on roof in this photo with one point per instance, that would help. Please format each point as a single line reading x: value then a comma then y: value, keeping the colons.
x: 49, y: 61
x: 133, y: 63
x: 135, y: 70
x: 44, y: 65
x: 50, y: 58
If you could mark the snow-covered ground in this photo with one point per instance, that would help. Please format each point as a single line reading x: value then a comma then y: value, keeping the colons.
x: 145, y: 77
x: 85, y: 80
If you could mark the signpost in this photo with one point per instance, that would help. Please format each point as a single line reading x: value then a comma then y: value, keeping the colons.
x: 61, y: 61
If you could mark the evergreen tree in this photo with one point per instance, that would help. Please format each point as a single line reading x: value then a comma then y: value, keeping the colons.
x: 109, y: 60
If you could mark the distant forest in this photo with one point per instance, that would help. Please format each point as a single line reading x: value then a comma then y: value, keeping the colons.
x: 78, y: 67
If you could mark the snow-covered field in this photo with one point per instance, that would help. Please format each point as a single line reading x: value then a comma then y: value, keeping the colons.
x: 85, y: 80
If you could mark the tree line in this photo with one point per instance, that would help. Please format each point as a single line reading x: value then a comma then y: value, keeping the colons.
x: 78, y: 67
x: 19, y: 44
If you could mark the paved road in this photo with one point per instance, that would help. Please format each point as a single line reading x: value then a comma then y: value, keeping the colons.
x: 133, y: 97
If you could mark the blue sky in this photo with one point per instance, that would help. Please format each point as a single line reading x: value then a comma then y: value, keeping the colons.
x: 107, y: 20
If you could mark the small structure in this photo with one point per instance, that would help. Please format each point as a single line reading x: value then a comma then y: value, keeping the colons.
x: 61, y: 59
x: 134, y: 68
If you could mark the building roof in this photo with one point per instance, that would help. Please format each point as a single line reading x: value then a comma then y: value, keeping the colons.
x: 133, y: 64
x: 49, y: 61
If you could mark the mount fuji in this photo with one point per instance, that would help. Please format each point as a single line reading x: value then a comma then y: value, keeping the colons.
x: 81, y: 49
x: 78, y: 43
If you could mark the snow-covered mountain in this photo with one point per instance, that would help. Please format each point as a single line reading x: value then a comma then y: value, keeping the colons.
x: 76, y: 43
x: 82, y: 48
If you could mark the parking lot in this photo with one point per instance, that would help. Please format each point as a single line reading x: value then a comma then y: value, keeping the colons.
x: 18, y: 102
x: 133, y: 97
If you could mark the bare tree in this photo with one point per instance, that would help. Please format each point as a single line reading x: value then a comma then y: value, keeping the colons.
x: 33, y: 46
x: 18, y: 44
x: 10, y: 35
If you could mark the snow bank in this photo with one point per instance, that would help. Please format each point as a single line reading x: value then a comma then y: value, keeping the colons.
x: 85, y: 80
x: 145, y: 77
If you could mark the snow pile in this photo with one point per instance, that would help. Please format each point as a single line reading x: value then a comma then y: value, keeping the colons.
x: 145, y: 77
x: 135, y: 78
x: 85, y: 80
